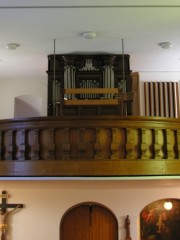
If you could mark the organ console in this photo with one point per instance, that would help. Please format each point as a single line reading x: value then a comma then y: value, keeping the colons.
x: 89, y: 84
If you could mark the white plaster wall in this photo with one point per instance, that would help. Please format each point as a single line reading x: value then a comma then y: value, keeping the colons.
x: 46, y: 202
x: 13, y: 88
x: 27, y: 106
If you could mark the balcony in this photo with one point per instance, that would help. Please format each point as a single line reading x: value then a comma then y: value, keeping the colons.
x: 93, y: 146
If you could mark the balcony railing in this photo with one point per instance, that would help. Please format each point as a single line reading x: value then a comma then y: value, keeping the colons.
x: 90, y: 146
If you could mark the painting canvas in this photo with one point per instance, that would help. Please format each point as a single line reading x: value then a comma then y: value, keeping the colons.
x: 157, y: 223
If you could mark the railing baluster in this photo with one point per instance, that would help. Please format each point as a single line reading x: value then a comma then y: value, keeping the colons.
x: 170, y: 144
x: 22, y: 144
x: 51, y: 145
x: 35, y: 144
x: 146, y: 151
x: 82, y: 148
x: 118, y: 144
x: 98, y: 147
x: 103, y: 144
x: 66, y: 147
x: 1, y: 147
x: 178, y: 141
x: 131, y: 144
x: 9, y: 145
x: 158, y: 145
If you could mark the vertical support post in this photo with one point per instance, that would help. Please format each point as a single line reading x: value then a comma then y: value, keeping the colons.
x: 132, y: 142
x: 146, y: 143
x: 170, y: 144
x: 66, y: 144
x: 0, y: 145
x: 35, y: 144
x: 9, y: 145
x: 51, y: 145
x: 118, y: 144
x: 158, y: 146
x: 22, y: 146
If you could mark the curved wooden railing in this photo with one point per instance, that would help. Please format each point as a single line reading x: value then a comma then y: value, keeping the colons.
x: 90, y: 146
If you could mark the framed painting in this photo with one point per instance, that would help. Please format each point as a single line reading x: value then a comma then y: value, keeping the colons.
x: 158, y: 223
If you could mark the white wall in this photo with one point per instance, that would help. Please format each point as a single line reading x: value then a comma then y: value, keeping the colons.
x: 46, y: 202
x: 27, y: 106
x: 10, y: 89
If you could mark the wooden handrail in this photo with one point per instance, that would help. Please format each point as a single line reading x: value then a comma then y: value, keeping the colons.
x: 82, y: 102
x: 91, y: 90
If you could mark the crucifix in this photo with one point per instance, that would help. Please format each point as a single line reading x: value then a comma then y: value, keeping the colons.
x: 4, y: 213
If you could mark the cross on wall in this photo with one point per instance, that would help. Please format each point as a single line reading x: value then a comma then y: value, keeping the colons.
x: 4, y: 205
x: 4, y: 213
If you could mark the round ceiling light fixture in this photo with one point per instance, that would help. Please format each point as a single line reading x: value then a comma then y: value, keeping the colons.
x: 168, y: 205
x: 89, y: 35
x: 12, y: 46
x: 165, y: 45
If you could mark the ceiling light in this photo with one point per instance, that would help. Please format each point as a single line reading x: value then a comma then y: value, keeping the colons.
x: 165, y: 45
x: 168, y: 205
x: 89, y: 35
x: 12, y: 46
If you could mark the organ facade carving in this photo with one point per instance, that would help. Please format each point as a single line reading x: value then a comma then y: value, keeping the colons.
x: 94, y: 74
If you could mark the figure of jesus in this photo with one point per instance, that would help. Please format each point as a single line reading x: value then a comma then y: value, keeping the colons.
x: 3, y: 223
x: 127, y: 227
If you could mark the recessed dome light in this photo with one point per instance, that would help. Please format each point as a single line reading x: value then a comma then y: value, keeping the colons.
x: 12, y: 46
x: 89, y: 35
x: 165, y: 45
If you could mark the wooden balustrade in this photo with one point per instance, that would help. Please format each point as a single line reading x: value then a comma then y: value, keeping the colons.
x: 93, y: 146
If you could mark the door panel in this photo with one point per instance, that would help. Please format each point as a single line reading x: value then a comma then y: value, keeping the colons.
x: 75, y: 225
x: 89, y: 221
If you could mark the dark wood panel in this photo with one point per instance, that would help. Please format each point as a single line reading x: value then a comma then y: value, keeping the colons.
x: 89, y: 221
x: 104, y: 224
x: 89, y: 168
x: 76, y: 223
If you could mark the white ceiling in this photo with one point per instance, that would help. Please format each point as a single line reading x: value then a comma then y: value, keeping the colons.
x: 35, y: 24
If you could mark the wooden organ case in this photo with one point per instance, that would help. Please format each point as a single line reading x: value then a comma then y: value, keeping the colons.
x: 89, y: 85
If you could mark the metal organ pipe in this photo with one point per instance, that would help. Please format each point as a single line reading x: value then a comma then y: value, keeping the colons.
x: 65, y: 81
x: 54, y: 81
x: 69, y: 77
x: 108, y: 78
x: 73, y: 80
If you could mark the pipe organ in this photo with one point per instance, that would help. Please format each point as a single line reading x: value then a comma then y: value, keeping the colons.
x: 91, y: 72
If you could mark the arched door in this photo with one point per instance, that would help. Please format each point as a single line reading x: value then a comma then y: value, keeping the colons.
x: 89, y: 221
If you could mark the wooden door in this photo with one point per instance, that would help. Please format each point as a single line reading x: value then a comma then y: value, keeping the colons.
x: 89, y: 221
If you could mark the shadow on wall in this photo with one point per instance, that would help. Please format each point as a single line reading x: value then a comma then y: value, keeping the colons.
x: 27, y: 106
